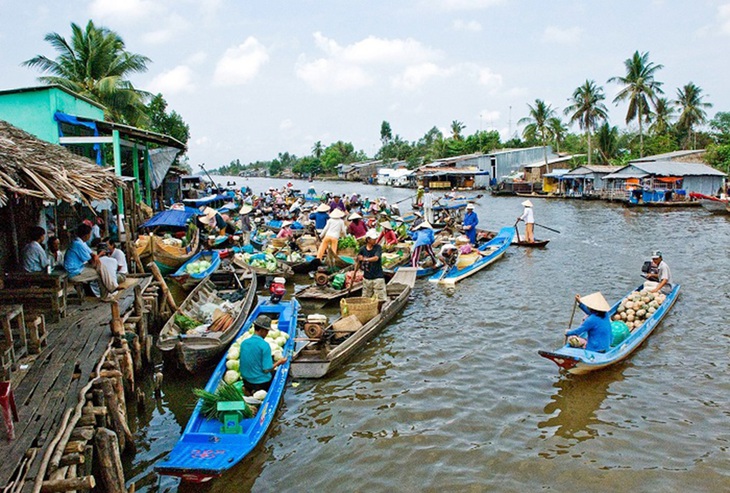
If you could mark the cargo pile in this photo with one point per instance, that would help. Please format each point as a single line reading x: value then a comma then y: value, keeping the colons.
x: 637, y: 307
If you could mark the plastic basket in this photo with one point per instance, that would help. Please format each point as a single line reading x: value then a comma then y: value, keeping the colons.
x: 365, y: 309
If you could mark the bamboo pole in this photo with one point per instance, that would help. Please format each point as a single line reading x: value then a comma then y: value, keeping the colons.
x: 165, y: 290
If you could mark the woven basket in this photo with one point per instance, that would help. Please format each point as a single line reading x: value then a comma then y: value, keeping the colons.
x: 365, y: 309
x: 465, y: 260
x: 278, y: 242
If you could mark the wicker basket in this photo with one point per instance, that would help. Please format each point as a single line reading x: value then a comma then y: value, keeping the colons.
x: 278, y: 242
x: 364, y: 308
x: 465, y: 260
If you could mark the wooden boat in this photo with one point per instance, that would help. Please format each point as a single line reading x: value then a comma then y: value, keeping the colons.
x: 167, y: 257
x: 204, y: 452
x: 404, y: 261
x: 712, y: 204
x: 317, y: 358
x: 539, y: 195
x: 668, y: 204
x: 282, y: 270
x: 196, y: 351
x: 580, y: 361
x: 327, y: 294
x: 494, y: 249
x: 187, y: 280
x: 524, y: 243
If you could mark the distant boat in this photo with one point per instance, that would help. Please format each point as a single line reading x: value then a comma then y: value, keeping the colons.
x: 188, y: 280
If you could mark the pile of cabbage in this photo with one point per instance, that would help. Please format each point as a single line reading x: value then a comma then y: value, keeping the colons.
x: 276, y: 339
x: 637, y: 307
x: 197, y: 267
x: 268, y: 261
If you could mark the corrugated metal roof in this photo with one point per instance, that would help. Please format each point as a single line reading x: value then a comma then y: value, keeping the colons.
x: 668, y: 156
x: 593, y: 168
x: 556, y: 173
x: 664, y: 168
x: 541, y: 163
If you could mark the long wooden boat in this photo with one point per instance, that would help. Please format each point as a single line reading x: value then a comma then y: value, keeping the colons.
x: 671, y: 204
x: 539, y: 195
x: 196, y: 351
x: 712, y: 204
x: 317, y: 358
x: 494, y: 249
x: 282, y: 270
x: 580, y: 361
x: 167, y: 257
x: 204, y: 452
x: 189, y: 280
x: 485, y: 235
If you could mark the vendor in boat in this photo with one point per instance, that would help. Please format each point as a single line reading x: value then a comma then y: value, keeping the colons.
x: 387, y: 234
x: 213, y: 222
x: 597, y: 327
x: 256, y: 363
x: 357, y: 227
x: 244, y: 223
x: 370, y: 260
x: 528, y: 216
x: 332, y: 232
x: 285, y: 231
x: 449, y: 255
x: 470, y: 224
x: 661, y: 280
x: 337, y: 203
x: 320, y: 216
x: 419, y: 195
x: 34, y: 258
x: 423, y: 238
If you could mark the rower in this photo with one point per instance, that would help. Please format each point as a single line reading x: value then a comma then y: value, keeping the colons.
x: 597, y: 326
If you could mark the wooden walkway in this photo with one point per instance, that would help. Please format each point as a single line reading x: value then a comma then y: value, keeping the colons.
x: 54, y: 378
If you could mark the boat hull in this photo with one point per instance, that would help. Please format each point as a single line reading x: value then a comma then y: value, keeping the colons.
x: 496, y: 247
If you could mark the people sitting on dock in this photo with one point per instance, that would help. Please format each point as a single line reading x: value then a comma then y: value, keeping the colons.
x: 661, y: 280
x: 256, y: 363
x: 423, y: 239
x: 120, y: 257
x: 528, y: 216
x: 55, y: 254
x: 597, y: 327
x: 332, y: 232
x: 357, y: 227
x: 82, y: 264
x: 471, y: 220
x: 34, y: 258
x: 387, y: 235
x: 108, y: 266
x: 370, y: 258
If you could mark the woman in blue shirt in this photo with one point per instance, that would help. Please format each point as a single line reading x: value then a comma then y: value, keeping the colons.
x: 423, y: 238
x: 470, y: 224
x: 596, y: 328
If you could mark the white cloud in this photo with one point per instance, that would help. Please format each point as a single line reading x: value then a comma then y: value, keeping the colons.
x: 241, y: 63
x: 324, y: 75
x: 417, y: 75
x: 377, y: 50
x: 553, y: 34
x: 124, y: 11
x: 490, y: 79
x: 197, y: 58
x: 488, y: 117
x: 286, y: 124
x: 461, y: 25
x: 465, y: 4
x: 169, y: 28
x: 175, y: 81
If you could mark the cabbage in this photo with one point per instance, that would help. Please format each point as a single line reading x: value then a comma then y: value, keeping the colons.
x: 234, y: 352
x: 260, y: 395
x: 281, y: 340
x: 273, y: 334
x: 232, y: 364
x: 231, y: 376
x: 277, y: 355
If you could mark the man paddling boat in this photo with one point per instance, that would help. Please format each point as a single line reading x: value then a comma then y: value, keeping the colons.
x: 528, y: 216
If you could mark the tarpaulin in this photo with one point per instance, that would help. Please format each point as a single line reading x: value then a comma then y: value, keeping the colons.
x: 173, y: 219
x: 72, y: 120
x: 160, y: 161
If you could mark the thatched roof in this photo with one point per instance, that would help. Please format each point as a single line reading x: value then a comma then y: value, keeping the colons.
x: 30, y: 166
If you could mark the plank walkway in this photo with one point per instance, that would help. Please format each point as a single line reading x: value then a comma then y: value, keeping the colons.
x: 51, y: 384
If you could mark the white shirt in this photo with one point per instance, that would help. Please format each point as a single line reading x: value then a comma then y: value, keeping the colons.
x: 428, y: 200
x: 335, y: 228
x: 121, y: 259
x: 665, y: 273
x: 528, y: 216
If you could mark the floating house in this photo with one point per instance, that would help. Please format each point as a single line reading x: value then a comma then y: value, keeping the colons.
x: 551, y: 182
x: 586, y: 180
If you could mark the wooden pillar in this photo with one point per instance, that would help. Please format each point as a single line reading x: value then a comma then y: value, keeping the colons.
x: 116, y: 144
x: 147, y: 186
x: 135, y: 169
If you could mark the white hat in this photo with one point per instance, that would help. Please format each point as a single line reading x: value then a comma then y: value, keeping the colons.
x: 424, y: 224
x: 323, y: 208
x: 372, y: 234
x: 527, y: 203
x: 595, y: 301
x: 354, y: 215
x: 656, y: 254
x: 286, y: 223
x: 280, y: 280
x: 337, y: 213
x: 470, y: 207
x: 208, y: 216
x: 246, y: 209
x: 386, y: 225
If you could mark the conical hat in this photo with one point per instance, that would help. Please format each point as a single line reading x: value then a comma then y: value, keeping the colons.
x: 246, y: 209
x: 337, y: 213
x: 595, y: 301
x: 386, y: 225
x: 424, y: 224
x: 323, y: 208
x: 527, y: 203
x: 354, y: 215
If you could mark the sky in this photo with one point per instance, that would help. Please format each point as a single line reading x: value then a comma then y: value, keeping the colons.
x: 253, y: 79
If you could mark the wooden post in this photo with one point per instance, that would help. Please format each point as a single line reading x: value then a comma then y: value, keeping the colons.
x: 117, y: 421
x: 59, y: 485
x: 117, y: 325
x: 158, y: 277
x: 110, y: 461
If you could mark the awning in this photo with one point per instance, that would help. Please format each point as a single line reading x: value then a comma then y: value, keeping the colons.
x: 171, y: 218
x: 465, y: 172
x: 668, y: 179
x: 625, y: 176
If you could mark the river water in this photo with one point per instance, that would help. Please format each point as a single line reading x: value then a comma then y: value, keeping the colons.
x: 453, y: 396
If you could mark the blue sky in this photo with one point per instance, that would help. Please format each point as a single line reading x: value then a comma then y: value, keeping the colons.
x: 257, y: 78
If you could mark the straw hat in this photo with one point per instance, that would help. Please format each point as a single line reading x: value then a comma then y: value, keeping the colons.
x: 208, y: 216
x: 323, y: 208
x: 470, y: 207
x: 337, y: 214
x: 372, y: 234
x: 527, y: 203
x: 424, y: 224
x: 595, y: 301
x: 286, y: 223
x: 354, y: 216
x: 246, y: 209
x: 386, y: 225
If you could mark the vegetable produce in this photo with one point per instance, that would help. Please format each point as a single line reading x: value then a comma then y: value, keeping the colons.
x: 224, y: 393
x: 260, y: 395
x: 231, y: 376
x: 348, y: 242
x: 637, y: 307
x: 185, y: 323
x: 197, y: 267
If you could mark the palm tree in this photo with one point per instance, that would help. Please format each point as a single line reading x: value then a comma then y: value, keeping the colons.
x: 456, y: 128
x: 587, y: 109
x: 558, y: 130
x: 692, y: 109
x: 663, y: 115
x: 317, y: 149
x: 607, y: 137
x: 95, y: 64
x: 538, y: 124
x: 639, y: 89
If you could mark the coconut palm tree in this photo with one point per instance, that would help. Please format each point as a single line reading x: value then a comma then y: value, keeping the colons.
x: 456, y: 128
x: 558, y: 130
x: 587, y: 109
x: 317, y: 149
x: 607, y: 137
x: 663, y: 116
x: 537, y: 124
x: 95, y: 64
x: 692, y: 109
x: 640, y: 88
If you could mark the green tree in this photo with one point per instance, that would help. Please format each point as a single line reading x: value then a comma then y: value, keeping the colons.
x: 317, y: 149
x: 663, y: 115
x: 172, y: 124
x: 456, y: 128
x: 607, y: 137
x: 537, y: 126
x: 639, y: 89
x: 558, y: 130
x: 720, y: 126
x: 386, y: 134
x: 718, y: 155
x: 338, y: 153
x: 95, y: 64
x: 692, y: 110
x: 587, y: 109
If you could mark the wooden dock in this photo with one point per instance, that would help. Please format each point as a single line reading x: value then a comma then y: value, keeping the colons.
x: 50, y: 385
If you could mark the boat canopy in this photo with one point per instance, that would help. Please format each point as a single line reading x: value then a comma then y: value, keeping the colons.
x: 171, y: 218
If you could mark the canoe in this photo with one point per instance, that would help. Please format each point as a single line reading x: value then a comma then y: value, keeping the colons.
x: 197, y: 351
x: 167, y: 257
x: 712, y: 204
x: 282, y: 270
x: 539, y: 195
x: 204, y: 452
x: 318, y: 358
x: 494, y: 249
x: 484, y: 235
x: 670, y: 204
x: 580, y: 361
x: 187, y: 280
x: 534, y: 244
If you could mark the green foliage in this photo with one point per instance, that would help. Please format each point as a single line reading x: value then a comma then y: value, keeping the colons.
x: 720, y: 126
x: 607, y: 137
x: 160, y: 121
x: 718, y: 156
x: 386, y: 133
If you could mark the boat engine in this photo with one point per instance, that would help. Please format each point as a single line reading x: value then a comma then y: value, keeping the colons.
x: 321, y: 277
x: 277, y: 288
x: 315, y: 326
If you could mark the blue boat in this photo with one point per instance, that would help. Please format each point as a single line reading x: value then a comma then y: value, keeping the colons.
x: 187, y: 280
x: 580, y: 361
x: 204, y: 452
x: 490, y: 252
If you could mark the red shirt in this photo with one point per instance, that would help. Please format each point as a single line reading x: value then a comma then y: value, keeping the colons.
x: 357, y: 228
x: 389, y: 236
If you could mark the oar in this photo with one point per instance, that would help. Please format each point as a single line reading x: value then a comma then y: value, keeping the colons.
x: 517, y: 231
x: 549, y: 229
x: 403, y: 200
x: 354, y: 274
x: 570, y: 324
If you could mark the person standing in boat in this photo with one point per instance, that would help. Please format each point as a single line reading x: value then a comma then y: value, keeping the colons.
x: 597, y: 326
x: 337, y: 203
x: 428, y: 205
x: 370, y: 259
x: 423, y: 238
x: 471, y: 220
x: 244, y: 223
x: 256, y: 363
x: 332, y: 232
x: 528, y: 216
x: 661, y: 280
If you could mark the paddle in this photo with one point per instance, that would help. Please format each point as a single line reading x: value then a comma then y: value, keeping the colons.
x: 352, y: 280
x: 575, y: 305
x: 517, y: 230
x: 403, y: 200
x: 549, y: 229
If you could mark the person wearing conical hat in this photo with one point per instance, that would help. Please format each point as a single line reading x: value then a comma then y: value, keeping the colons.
x: 387, y: 234
x: 212, y: 221
x: 528, y: 216
x: 285, y: 231
x: 320, y: 216
x: 357, y: 226
x: 331, y: 233
x: 594, y: 334
x: 423, y: 239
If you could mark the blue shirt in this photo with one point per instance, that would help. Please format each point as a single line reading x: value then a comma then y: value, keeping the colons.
x: 77, y: 255
x: 422, y: 237
x: 597, y: 330
x: 255, y: 360
x: 34, y: 257
x: 471, y: 219
x: 320, y: 219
